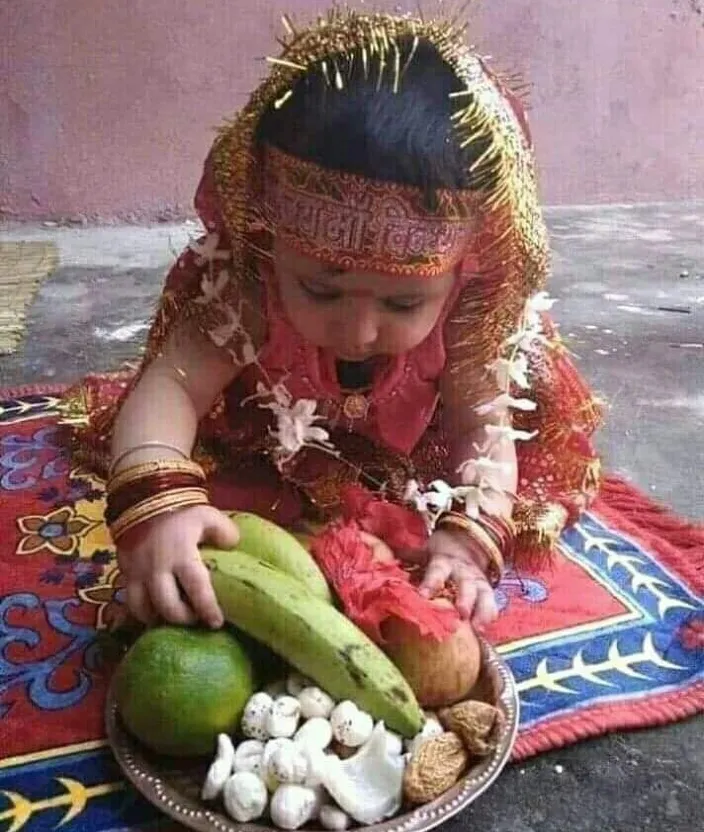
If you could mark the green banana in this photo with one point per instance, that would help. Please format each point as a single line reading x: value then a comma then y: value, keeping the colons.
x: 313, y: 637
x: 264, y: 539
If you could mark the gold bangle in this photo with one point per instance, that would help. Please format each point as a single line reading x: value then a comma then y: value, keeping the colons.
x: 155, y: 505
x: 155, y: 466
x: 156, y: 501
x: 152, y: 443
x: 185, y: 503
x: 119, y: 530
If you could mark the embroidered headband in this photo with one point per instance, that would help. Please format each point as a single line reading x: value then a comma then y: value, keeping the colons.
x: 369, y: 225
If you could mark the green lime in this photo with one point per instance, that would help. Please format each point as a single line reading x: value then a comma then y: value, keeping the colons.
x: 177, y: 688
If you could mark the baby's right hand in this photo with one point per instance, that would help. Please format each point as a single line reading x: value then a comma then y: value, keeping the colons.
x: 165, y: 576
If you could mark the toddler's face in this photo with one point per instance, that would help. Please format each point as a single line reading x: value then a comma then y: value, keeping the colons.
x: 358, y: 315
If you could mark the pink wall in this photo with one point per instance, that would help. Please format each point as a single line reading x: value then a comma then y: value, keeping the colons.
x: 106, y: 109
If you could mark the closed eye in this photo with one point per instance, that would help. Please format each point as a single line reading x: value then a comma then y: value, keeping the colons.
x: 319, y: 293
x: 403, y: 304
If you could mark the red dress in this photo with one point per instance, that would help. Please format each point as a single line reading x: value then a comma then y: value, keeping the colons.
x: 383, y: 436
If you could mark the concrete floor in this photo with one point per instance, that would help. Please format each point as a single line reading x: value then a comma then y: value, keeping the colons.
x: 630, y: 281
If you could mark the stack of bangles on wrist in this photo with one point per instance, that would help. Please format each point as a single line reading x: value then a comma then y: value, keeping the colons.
x: 142, y: 492
x: 494, y: 536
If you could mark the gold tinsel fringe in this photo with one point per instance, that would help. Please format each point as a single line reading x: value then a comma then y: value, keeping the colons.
x: 538, y: 529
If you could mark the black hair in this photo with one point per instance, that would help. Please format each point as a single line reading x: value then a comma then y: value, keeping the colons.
x: 368, y: 128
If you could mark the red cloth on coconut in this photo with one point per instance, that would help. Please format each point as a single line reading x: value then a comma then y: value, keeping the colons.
x: 372, y: 591
x: 400, y: 528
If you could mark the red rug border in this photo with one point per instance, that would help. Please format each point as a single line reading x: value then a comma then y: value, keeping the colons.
x: 677, y: 541
x: 609, y: 718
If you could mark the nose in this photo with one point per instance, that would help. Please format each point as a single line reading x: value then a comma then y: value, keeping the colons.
x: 359, y: 330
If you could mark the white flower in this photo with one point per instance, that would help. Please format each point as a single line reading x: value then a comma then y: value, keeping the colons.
x: 439, y: 496
x: 496, y: 433
x: 476, y: 498
x: 295, y: 426
x: 526, y: 338
x: 278, y: 393
x: 207, y: 251
x: 294, y: 431
x: 481, y: 469
x: 249, y: 354
x: 540, y: 302
x: 415, y: 496
x: 507, y: 371
x: 212, y: 288
x: 502, y: 402
x: 224, y: 333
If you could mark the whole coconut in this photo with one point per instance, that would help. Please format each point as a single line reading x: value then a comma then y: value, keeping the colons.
x: 440, y: 673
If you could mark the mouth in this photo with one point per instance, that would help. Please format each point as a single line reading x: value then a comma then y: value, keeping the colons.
x: 354, y: 358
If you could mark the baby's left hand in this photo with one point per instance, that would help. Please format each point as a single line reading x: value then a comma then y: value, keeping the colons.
x: 450, y: 558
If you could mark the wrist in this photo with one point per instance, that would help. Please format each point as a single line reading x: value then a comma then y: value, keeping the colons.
x: 142, y: 492
x: 138, y: 453
x: 484, y: 537
x: 468, y: 545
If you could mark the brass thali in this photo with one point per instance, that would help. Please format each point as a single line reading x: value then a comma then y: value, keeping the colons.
x: 173, y: 785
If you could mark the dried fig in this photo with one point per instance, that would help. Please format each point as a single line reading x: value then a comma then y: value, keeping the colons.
x: 434, y: 768
x: 477, y: 724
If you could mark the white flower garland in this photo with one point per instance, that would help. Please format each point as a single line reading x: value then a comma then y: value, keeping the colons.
x: 478, y: 475
x: 295, y: 420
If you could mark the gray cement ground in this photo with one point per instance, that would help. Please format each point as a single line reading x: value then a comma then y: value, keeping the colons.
x: 630, y: 281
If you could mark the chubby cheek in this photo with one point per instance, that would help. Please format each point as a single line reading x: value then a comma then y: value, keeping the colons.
x: 401, y: 333
x: 307, y: 319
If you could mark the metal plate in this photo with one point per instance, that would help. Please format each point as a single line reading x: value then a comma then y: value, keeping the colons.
x: 173, y: 785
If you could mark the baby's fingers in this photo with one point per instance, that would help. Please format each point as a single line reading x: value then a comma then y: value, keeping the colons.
x: 167, y: 599
x: 195, y: 580
x: 485, y: 609
x: 467, y: 591
x: 475, y: 598
x: 139, y: 603
x: 436, y: 575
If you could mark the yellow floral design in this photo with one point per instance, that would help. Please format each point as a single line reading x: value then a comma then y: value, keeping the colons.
x: 106, y: 595
x: 59, y: 532
x: 77, y: 529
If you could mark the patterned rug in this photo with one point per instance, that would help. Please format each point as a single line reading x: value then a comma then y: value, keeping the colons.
x: 611, y: 638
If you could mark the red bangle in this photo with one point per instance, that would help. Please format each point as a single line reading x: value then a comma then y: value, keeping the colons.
x: 503, y: 531
x: 130, y: 494
x: 164, y: 503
